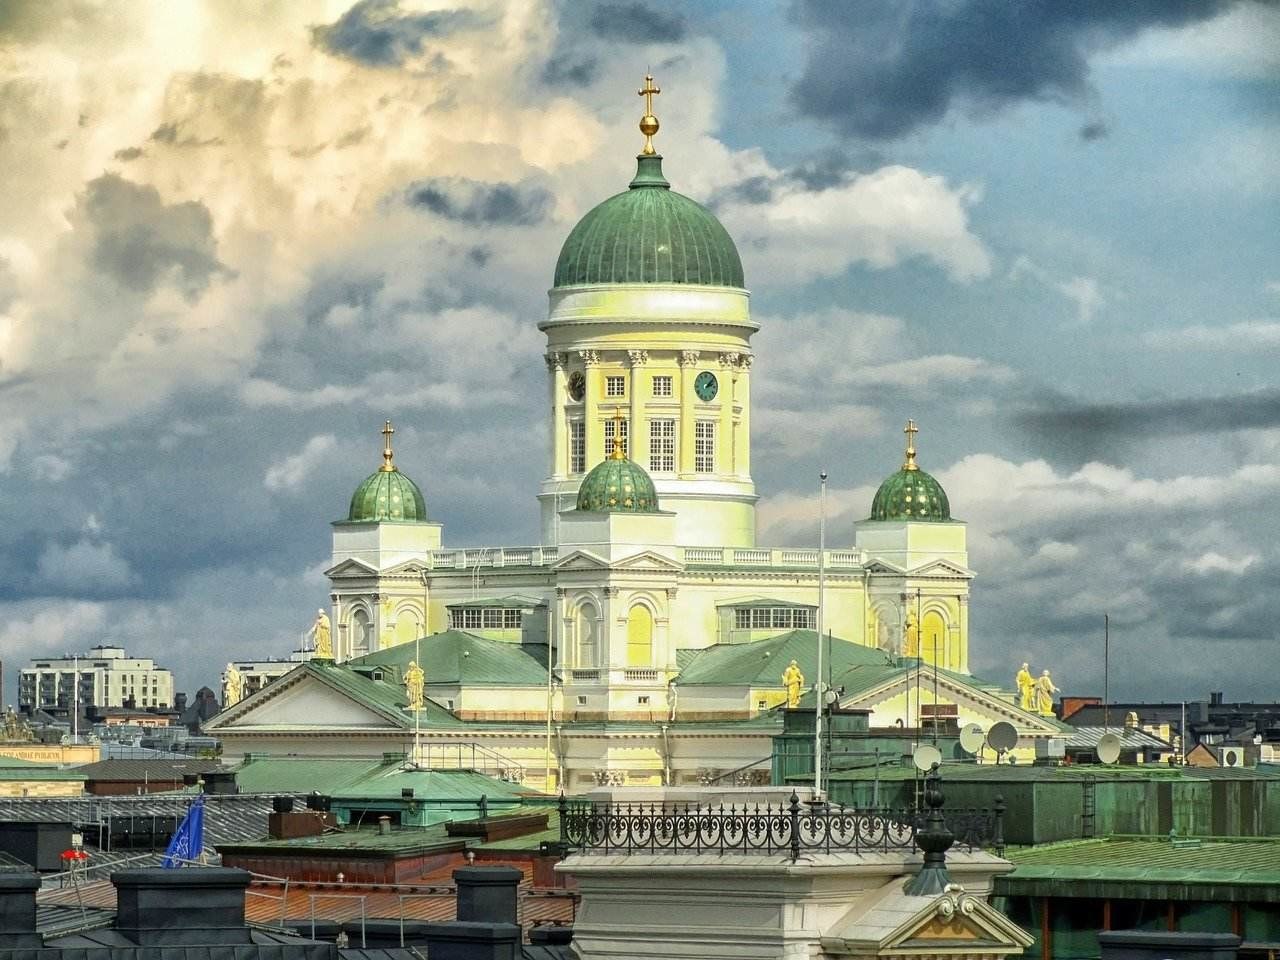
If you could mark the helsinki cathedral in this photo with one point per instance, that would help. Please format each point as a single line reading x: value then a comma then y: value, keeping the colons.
x: 644, y: 639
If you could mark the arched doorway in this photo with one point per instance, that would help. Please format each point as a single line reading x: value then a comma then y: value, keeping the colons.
x: 585, y: 627
x: 934, y: 640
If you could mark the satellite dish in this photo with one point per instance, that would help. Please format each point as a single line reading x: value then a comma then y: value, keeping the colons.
x: 925, y: 756
x: 1002, y: 737
x: 972, y: 738
x: 1109, y: 748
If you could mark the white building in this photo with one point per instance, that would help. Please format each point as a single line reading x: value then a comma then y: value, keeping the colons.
x: 108, y: 677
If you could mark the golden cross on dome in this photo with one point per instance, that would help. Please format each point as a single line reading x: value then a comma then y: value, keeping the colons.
x: 911, y: 430
x: 388, y: 457
x: 617, y: 453
x: 648, y: 123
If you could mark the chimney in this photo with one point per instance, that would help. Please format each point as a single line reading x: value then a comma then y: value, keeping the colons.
x: 18, y: 910
x: 487, y: 894
x: 384, y: 825
x: 186, y: 906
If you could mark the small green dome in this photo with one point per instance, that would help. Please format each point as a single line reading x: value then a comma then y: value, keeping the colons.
x: 649, y: 234
x: 911, y: 494
x: 387, y: 494
x: 617, y: 485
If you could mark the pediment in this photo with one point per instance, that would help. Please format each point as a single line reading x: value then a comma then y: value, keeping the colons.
x: 301, y: 702
x: 647, y: 560
x: 974, y: 704
x: 414, y: 567
x: 941, y: 568
x: 350, y: 568
x: 893, y: 922
x: 884, y: 567
x: 581, y: 560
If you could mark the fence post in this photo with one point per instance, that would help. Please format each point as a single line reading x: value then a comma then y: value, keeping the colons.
x: 795, y: 827
x: 997, y: 840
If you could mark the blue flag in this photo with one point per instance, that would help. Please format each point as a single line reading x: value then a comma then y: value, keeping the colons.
x: 188, y: 840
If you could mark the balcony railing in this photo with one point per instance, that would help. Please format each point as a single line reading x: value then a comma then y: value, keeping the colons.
x: 485, y: 558
x: 640, y: 674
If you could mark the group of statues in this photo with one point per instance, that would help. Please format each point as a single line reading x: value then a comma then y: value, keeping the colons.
x: 16, y: 729
x: 1035, y: 693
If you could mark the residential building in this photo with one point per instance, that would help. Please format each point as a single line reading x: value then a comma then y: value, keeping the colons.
x: 105, y: 677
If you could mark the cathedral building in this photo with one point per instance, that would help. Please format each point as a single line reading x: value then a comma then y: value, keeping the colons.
x: 644, y: 639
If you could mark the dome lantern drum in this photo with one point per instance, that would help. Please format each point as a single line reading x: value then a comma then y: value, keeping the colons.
x: 910, y: 493
x: 387, y: 495
x: 617, y: 485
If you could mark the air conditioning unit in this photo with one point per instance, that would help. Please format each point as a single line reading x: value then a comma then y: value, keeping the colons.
x: 1052, y: 748
x: 1231, y: 756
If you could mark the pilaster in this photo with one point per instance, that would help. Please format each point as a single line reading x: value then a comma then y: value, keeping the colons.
x: 559, y: 429
x: 688, y: 372
x: 638, y: 435
x: 725, y: 439
x: 591, y: 406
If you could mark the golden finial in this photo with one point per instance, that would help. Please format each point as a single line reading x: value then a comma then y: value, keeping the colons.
x: 911, y: 430
x: 388, y: 457
x: 617, y: 453
x: 648, y: 123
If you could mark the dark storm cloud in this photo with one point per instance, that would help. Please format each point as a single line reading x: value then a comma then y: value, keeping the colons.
x: 139, y: 240
x: 1088, y: 431
x: 1094, y: 130
x: 570, y: 70
x: 637, y: 23
x: 469, y: 201
x: 379, y: 33
x: 883, y: 68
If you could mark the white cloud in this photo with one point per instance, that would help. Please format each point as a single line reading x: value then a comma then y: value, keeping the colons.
x: 290, y: 472
x: 1245, y: 337
x: 1212, y: 562
x: 880, y: 219
x: 1243, y: 42
x: 86, y: 566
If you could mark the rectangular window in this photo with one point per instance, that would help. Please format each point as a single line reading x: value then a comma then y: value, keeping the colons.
x: 782, y: 618
x: 471, y: 619
x: 582, y: 701
x: 615, y: 386
x: 577, y: 446
x: 511, y: 619
x: 704, y: 446
x: 742, y: 619
x: 760, y: 619
x: 662, y: 446
x: 762, y: 704
x: 493, y: 619
x: 804, y: 619
x: 608, y: 436
x: 662, y: 386
x: 643, y: 701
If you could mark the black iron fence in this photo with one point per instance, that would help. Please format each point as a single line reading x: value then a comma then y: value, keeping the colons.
x: 787, y: 828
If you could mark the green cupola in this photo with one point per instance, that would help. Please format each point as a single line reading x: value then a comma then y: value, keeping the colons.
x: 649, y: 233
x: 911, y: 494
x: 387, y: 495
x: 617, y: 485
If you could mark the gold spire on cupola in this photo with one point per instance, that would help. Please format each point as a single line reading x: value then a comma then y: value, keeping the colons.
x: 388, y: 455
x: 648, y: 123
x: 617, y: 453
x: 911, y: 430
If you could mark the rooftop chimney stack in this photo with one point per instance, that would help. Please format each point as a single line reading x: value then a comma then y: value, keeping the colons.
x: 186, y: 906
x: 18, y: 910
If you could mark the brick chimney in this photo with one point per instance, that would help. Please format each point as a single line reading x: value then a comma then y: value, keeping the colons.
x: 18, y: 910
x: 184, y: 906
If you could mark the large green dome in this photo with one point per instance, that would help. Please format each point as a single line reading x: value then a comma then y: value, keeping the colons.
x: 387, y: 495
x: 617, y: 485
x: 649, y: 234
x: 911, y: 494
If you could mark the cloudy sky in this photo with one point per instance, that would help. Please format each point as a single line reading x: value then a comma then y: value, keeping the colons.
x: 236, y: 236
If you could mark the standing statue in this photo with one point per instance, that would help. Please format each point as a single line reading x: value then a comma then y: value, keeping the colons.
x: 1026, y: 688
x: 1044, y: 694
x: 911, y: 647
x: 793, y: 680
x: 232, y: 686
x: 414, y: 679
x: 320, y: 633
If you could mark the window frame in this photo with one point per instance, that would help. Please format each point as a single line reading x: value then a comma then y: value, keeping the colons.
x: 704, y: 446
x: 662, y: 445
x: 615, y: 387
x: 663, y: 385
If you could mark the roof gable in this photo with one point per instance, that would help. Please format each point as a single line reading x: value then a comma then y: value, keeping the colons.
x: 458, y: 657
x: 761, y: 662
x: 350, y: 567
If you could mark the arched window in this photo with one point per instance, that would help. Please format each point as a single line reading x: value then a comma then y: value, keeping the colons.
x: 639, y: 637
x: 359, y: 633
x: 933, y: 646
x: 586, y: 630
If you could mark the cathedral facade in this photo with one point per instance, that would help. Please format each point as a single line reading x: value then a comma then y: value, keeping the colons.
x: 645, y: 637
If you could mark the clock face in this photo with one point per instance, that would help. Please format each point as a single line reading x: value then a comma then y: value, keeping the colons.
x: 577, y: 386
x: 706, y: 386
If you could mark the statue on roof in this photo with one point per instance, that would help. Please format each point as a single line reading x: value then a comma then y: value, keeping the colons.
x: 793, y: 680
x: 321, y: 634
x: 414, y: 680
x: 16, y: 729
x: 232, y: 686
x: 1044, y: 694
x: 1026, y: 688
x: 911, y: 645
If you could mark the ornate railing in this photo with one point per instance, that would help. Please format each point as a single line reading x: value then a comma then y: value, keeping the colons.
x: 787, y: 828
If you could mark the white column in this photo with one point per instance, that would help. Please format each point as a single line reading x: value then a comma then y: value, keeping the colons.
x: 688, y: 372
x: 638, y: 438
x: 743, y: 400
x: 724, y: 442
x: 559, y: 453
x: 591, y: 408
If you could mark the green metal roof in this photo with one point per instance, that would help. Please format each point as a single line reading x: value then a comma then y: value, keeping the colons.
x: 1031, y: 773
x: 303, y: 774
x: 1146, y: 869
x: 761, y: 662
x: 649, y: 234
x: 387, y: 495
x: 617, y: 485
x: 430, y: 785
x: 911, y: 495
x: 363, y: 841
x: 15, y: 768
x: 387, y: 697
x: 456, y: 656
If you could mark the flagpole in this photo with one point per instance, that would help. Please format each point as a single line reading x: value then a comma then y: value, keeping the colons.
x: 820, y: 693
